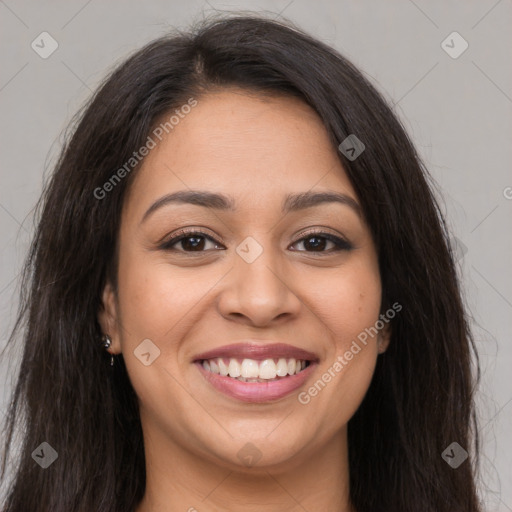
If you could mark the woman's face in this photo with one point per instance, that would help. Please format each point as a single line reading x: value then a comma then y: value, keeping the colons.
x: 277, y: 286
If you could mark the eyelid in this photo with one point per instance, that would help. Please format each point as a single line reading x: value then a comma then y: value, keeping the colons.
x: 168, y: 241
x: 319, y: 230
x: 183, y: 232
x: 342, y: 243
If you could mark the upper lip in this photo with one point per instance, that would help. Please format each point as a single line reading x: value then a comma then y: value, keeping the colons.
x: 249, y: 350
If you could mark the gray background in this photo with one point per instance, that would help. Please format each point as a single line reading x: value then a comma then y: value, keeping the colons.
x: 457, y: 112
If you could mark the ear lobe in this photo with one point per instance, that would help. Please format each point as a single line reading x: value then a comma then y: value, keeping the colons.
x: 108, y: 318
x: 384, y: 338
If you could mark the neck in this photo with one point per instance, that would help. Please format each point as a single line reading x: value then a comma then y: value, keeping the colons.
x: 177, y: 479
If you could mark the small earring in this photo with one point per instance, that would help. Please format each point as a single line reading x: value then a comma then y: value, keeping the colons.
x: 107, y: 342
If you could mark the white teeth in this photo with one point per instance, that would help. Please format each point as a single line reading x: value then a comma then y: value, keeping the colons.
x: 214, y: 367
x: 223, y: 369
x: 282, y: 368
x: 251, y: 370
x: 268, y: 369
x: 234, y: 368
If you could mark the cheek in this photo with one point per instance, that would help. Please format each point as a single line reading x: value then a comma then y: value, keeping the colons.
x: 349, y: 307
x: 156, y: 298
x: 348, y: 301
x: 157, y: 304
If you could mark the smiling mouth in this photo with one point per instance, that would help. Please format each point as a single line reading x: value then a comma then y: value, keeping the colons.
x: 255, y: 372
x: 252, y: 370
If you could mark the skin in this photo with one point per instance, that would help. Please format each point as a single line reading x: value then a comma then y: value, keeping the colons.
x: 255, y: 149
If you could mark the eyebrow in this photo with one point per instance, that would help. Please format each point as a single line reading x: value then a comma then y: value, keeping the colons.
x: 291, y: 203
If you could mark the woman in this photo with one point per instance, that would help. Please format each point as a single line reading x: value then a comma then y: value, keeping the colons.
x: 240, y: 294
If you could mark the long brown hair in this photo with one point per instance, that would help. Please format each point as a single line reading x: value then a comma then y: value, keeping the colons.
x: 421, y: 397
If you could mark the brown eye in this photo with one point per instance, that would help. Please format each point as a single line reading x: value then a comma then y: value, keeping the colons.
x: 193, y: 241
x: 317, y: 242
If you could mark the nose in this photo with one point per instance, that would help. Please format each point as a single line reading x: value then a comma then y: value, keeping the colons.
x: 259, y: 293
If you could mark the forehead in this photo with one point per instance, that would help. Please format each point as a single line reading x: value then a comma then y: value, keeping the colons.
x: 257, y: 148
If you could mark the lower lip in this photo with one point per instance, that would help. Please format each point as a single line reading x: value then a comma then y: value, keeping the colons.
x: 257, y: 391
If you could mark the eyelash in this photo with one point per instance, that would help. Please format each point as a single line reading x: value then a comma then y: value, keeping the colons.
x: 340, y: 243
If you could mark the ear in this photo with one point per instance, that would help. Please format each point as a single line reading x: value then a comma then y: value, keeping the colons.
x: 384, y: 338
x: 108, y: 318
